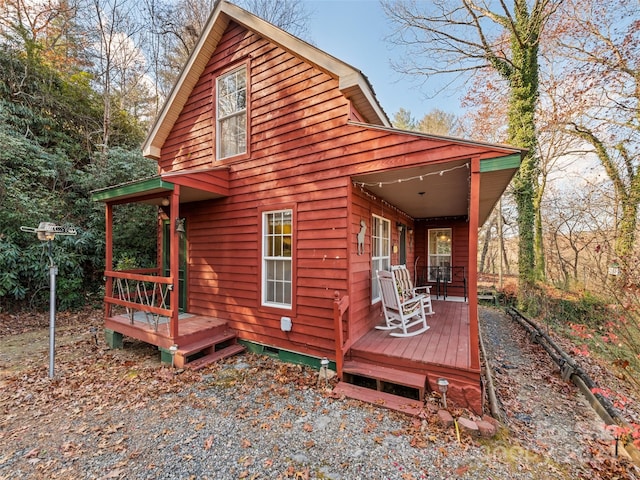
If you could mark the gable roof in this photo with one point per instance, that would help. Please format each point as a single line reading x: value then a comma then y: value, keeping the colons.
x: 352, y: 82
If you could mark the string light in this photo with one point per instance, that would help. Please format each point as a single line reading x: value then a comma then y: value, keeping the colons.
x: 408, y: 179
x: 383, y: 202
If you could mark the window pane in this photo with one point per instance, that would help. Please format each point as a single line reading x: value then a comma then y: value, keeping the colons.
x: 277, y: 262
x: 380, y: 252
x: 231, y: 113
x: 385, y: 229
x: 241, y: 100
x: 241, y: 79
x: 223, y: 87
x: 232, y: 136
x: 440, y: 241
x: 270, y: 270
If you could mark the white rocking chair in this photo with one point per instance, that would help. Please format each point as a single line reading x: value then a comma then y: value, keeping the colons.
x: 399, y: 312
x: 403, y: 280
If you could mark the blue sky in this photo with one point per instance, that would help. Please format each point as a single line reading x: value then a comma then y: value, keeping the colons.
x: 354, y: 31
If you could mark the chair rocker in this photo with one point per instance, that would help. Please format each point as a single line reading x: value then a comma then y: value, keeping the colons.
x: 403, y: 280
x: 400, y: 313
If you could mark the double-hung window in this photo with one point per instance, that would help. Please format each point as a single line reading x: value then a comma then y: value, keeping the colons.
x: 277, y: 258
x: 440, y: 254
x: 231, y: 113
x: 380, y: 252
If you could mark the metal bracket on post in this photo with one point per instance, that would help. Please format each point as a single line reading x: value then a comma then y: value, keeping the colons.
x: 47, y: 232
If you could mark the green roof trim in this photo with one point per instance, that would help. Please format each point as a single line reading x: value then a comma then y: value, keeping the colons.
x: 500, y: 163
x: 131, y: 189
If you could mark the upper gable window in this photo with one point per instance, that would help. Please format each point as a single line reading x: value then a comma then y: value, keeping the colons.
x: 231, y: 125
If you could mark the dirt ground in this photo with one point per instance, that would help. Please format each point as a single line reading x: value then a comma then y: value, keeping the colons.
x: 550, y: 431
x: 545, y: 414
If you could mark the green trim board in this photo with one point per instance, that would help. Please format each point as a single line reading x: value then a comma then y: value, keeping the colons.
x: 500, y: 163
x: 285, y: 355
x: 132, y: 189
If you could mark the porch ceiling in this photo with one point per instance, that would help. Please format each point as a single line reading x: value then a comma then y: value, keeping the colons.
x: 441, y: 190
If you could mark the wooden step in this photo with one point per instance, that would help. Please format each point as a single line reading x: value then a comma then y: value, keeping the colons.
x: 381, y: 399
x: 195, y: 347
x: 191, y: 352
x: 215, y: 356
x: 385, y: 377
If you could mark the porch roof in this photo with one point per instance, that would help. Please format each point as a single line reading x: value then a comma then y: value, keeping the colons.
x: 196, y: 185
x: 442, y: 190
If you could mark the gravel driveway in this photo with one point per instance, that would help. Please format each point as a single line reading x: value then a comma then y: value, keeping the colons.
x: 118, y: 414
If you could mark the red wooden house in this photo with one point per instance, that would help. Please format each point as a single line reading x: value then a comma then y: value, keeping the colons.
x: 282, y: 188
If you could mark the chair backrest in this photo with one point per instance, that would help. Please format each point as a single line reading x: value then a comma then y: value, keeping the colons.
x: 403, y: 280
x: 388, y: 290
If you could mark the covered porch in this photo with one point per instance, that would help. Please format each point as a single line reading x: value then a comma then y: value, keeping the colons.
x: 433, y: 212
x: 150, y: 304
x: 398, y: 372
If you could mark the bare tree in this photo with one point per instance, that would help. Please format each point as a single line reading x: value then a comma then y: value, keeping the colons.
x: 177, y: 27
x: 119, y: 65
x: 578, y: 228
x: 601, y: 93
x: 48, y: 29
x: 436, y: 122
x: 290, y: 15
x: 439, y: 122
x: 463, y: 36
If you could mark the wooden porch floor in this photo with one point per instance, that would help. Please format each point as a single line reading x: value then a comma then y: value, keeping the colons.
x: 191, y: 328
x: 442, y: 351
x: 446, y: 343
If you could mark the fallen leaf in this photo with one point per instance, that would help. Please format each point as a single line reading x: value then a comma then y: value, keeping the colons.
x: 461, y: 470
x: 32, y: 453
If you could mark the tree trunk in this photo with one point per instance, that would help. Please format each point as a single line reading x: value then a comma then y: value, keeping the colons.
x: 522, y: 75
x: 485, y: 246
x: 627, y: 228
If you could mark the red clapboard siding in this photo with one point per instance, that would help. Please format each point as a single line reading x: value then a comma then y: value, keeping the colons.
x: 302, y: 154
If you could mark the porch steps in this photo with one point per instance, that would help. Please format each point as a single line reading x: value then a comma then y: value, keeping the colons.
x: 199, y: 354
x: 215, y: 356
x: 384, y: 379
x: 381, y: 399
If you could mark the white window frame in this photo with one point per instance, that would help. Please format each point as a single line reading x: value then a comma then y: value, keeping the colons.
x: 380, y: 252
x: 277, y: 261
x: 239, y: 114
x: 442, y: 256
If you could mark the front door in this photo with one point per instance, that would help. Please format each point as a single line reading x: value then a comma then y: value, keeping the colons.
x: 182, y: 263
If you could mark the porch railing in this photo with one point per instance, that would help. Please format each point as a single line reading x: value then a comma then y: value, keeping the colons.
x: 443, y: 279
x: 344, y: 340
x: 142, y: 295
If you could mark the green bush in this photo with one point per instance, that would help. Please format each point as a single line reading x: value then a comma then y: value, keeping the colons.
x: 48, y: 169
